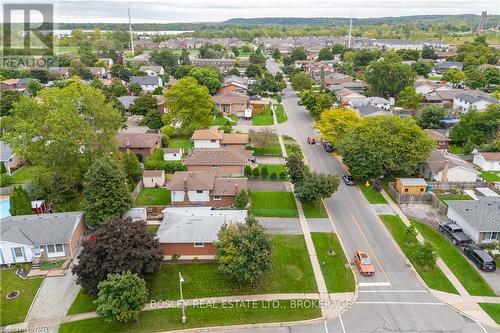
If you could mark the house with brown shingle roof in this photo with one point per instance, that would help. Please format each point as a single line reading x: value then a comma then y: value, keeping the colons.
x: 224, y: 162
x: 215, y: 139
x: 141, y: 144
x: 231, y: 102
x: 442, y: 141
x: 203, y: 188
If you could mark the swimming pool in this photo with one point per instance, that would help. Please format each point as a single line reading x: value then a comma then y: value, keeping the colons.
x: 4, y: 208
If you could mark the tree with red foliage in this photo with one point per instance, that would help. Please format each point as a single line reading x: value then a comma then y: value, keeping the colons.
x: 118, y: 246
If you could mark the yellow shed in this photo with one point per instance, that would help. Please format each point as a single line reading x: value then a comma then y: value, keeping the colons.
x: 412, y: 186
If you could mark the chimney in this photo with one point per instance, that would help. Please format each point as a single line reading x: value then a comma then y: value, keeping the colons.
x: 444, y: 178
x: 185, y: 183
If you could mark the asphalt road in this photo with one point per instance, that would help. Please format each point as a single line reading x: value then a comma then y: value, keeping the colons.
x: 397, y: 302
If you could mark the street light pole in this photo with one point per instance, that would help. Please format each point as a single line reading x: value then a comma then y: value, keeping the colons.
x: 181, y: 280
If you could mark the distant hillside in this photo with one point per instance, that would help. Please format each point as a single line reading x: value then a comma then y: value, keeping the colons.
x: 467, y: 19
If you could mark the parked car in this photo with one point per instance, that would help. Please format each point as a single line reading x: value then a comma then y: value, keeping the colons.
x: 364, y: 263
x: 480, y: 258
x: 328, y: 147
x: 455, y: 233
x: 348, y: 180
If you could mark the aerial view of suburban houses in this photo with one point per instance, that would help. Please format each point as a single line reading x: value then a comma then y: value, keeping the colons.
x: 236, y: 167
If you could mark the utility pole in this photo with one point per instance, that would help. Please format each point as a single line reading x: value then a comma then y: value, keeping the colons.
x: 130, y: 29
x: 350, y: 32
x: 480, y: 27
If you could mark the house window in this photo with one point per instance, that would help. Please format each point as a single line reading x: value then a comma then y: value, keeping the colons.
x: 59, y: 248
x: 199, y: 244
x: 217, y: 197
x: 422, y: 189
x: 51, y: 248
x: 215, y: 166
x: 199, y: 191
x: 494, y: 235
x: 18, y: 252
x: 406, y: 189
x: 212, y: 140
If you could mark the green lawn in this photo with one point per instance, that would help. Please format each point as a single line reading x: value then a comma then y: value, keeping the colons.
x: 456, y: 262
x: 82, y: 303
x: 290, y: 272
x: 454, y: 149
x: 24, y: 174
x: 274, y: 204
x: 153, y: 228
x: 314, y: 210
x: 372, y: 196
x: 14, y: 311
x: 337, y: 278
x: 433, y: 277
x: 221, y: 121
x: 281, y: 116
x: 45, y: 266
x: 490, y: 176
x: 265, y: 118
x: 493, y: 310
x: 445, y: 197
x: 276, y: 168
x: 183, y: 142
x: 153, y: 196
x: 268, y: 151
x: 216, y: 315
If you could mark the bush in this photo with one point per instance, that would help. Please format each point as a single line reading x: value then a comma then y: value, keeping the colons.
x: 248, y: 170
x: 264, y: 172
x: 283, y: 175
x: 5, y: 179
x: 256, y: 172
x: 226, y: 128
x: 242, y: 199
x: 273, y: 176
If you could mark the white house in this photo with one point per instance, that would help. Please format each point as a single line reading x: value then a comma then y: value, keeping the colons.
x: 441, y: 165
x: 210, y: 138
x: 487, y: 161
x: 478, y: 218
x: 152, y: 70
x: 8, y: 158
x: 24, y: 238
x: 465, y: 101
x: 153, y: 178
x: 147, y: 83
x: 172, y: 154
x: 378, y: 102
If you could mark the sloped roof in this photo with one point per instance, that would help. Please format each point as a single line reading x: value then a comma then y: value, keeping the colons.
x: 218, y: 157
x: 207, y: 134
x: 192, y: 181
x: 153, y: 173
x: 31, y: 230
x: 138, y: 140
x: 5, y: 152
x: 413, y: 181
x: 491, y: 156
x: 145, y: 80
x: 482, y: 214
x: 229, y: 186
x: 230, y: 97
x: 235, y: 138
x: 435, y: 135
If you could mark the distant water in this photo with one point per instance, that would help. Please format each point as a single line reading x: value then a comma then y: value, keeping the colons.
x: 67, y: 32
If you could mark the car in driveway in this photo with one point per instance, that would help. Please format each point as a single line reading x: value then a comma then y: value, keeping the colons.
x: 327, y: 146
x: 348, y: 180
x: 480, y: 258
x: 364, y: 263
x: 455, y: 233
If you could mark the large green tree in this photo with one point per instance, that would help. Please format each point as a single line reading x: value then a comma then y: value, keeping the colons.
x: 454, y: 75
x: 117, y: 246
x: 301, y: 81
x: 131, y: 167
x: 383, y: 146
x: 298, y: 53
x: 105, y: 191
x: 296, y: 168
x: 243, y: 251
x: 121, y: 297
x: 189, y: 104
x: 432, y: 116
x: 316, y: 186
x: 65, y: 129
x: 334, y: 124
x: 409, y: 98
x: 165, y: 58
x: 477, y: 128
x: 208, y: 77
x: 389, y: 77
x: 7, y: 101
x: 144, y: 104
x: 325, y: 54
x: 475, y: 78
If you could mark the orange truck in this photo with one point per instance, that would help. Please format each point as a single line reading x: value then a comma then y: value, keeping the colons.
x: 364, y: 263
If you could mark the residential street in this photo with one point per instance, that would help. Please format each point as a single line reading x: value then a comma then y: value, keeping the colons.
x: 394, y: 300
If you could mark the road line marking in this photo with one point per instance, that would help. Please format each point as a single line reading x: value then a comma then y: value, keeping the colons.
x: 371, y: 249
x: 374, y: 284
x: 342, y: 323
x: 326, y: 327
x: 482, y: 327
x: 403, y: 303
x: 393, y: 291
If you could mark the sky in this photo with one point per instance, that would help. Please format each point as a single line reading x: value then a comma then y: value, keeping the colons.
x: 168, y: 11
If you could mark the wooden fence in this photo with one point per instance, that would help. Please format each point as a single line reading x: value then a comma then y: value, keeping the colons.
x: 137, y: 189
x: 409, y: 198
